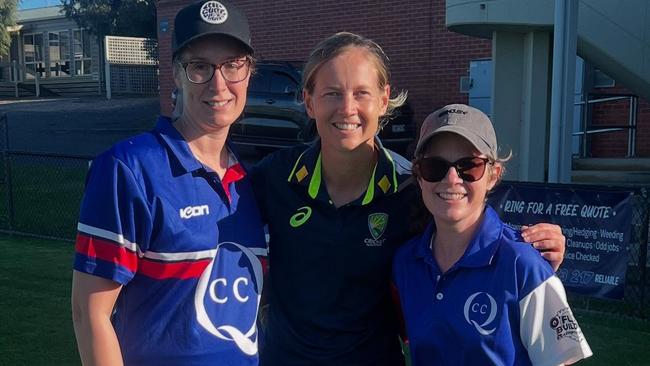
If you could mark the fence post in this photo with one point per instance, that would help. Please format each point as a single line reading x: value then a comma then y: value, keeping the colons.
x: 107, y: 68
x: 7, y: 167
x: 643, y: 251
x: 14, y: 70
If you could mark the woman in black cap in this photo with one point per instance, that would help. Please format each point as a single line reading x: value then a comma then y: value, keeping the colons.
x: 165, y: 269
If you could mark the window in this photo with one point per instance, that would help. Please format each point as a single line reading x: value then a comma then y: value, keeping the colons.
x: 282, y: 83
x: 81, y: 50
x: 260, y: 82
x: 33, y: 50
x: 59, y: 48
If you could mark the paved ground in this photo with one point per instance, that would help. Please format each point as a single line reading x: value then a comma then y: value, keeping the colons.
x: 80, y: 126
x: 76, y: 126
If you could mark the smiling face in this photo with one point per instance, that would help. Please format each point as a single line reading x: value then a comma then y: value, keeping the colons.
x: 452, y: 201
x: 217, y: 103
x: 347, y: 101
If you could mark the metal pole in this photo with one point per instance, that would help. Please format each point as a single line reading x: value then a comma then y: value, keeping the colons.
x: 562, y: 98
x: 107, y: 71
x: 631, y: 132
x: 585, y: 120
x: 643, y: 251
x: 7, y: 167
x: 14, y: 69
x: 38, y: 86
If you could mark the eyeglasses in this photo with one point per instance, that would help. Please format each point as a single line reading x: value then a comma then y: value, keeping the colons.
x: 469, y: 169
x: 234, y: 71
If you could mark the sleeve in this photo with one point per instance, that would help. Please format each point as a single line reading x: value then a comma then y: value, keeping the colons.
x: 115, y: 222
x: 548, y: 329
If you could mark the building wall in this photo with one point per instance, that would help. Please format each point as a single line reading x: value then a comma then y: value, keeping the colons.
x: 427, y: 60
x: 56, y: 25
x: 616, y: 113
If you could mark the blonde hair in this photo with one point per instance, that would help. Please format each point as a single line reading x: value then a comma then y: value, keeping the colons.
x: 340, y: 42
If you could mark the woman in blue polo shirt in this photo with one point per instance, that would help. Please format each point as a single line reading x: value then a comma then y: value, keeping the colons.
x: 336, y: 211
x: 470, y: 292
x: 165, y: 269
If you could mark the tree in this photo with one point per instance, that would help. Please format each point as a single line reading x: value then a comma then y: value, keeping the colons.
x: 7, y: 18
x: 132, y: 18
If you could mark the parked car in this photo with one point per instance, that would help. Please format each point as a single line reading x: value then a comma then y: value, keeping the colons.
x: 275, y: 115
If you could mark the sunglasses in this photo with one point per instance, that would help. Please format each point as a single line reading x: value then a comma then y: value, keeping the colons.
x: 469, y: 169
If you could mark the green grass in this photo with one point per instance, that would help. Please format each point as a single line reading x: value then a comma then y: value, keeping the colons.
x: 46, y: 196
x: 36, y: 326
x: 615, y: 341
x: 35, y: 320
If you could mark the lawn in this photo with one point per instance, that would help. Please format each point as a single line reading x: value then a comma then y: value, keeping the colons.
x: 36, y: 325
x: 45, y: 195
x: 36, y: 328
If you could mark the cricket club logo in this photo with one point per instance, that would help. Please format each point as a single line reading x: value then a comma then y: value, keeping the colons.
x: 227, y: 296
x: 377, y: 223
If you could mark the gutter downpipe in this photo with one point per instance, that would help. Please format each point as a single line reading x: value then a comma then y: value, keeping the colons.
x: 565, y: 38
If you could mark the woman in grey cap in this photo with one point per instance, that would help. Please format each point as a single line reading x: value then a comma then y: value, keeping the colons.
x: 336, y: 212
x: 165, y: 269
x: 468, y: 284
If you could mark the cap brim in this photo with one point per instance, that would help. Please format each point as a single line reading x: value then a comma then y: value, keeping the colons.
x: 245, y: 44
x: 473, y: 139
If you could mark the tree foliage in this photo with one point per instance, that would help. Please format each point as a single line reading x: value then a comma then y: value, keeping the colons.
x: 132, y: 18
x: 7, y: 18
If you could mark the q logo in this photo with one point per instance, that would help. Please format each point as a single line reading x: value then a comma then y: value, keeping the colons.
x: 228, y: 295
x: 300, y: 217
x: 481, y: 310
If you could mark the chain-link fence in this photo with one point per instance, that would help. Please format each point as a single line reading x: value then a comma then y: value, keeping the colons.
x: 40, y: 193
x: 40, y: 196
x: 637, y: 281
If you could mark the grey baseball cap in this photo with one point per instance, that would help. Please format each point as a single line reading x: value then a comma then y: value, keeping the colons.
x: 463, y: 120
x: 206, y: 17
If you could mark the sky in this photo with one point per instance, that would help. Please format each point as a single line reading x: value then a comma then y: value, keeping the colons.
x: 31, y: 4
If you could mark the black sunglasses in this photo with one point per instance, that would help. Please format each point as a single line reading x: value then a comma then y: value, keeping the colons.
x: 469, y: 169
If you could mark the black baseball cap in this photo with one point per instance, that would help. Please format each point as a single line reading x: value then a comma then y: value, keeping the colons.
x: 207, y: 17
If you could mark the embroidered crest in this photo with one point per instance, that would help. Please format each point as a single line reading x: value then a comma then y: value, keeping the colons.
x: 214, y: 12
x: 377, y: 224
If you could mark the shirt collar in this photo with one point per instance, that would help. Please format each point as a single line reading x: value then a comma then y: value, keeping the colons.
x: 177, y: 145
x: 307, y: 173
x: 181, y: 150
x: 481, y: 248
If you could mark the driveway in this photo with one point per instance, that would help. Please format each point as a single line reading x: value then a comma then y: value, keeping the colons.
x: 75, y: 126
x: 81, y: 126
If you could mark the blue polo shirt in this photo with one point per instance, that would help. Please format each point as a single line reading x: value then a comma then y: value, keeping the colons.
x: 330, y: 267
x: 500, y: 304
x: 183, y: 244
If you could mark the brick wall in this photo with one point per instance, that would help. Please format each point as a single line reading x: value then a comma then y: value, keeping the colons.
x: 427, y: 60
x: 616, y: 113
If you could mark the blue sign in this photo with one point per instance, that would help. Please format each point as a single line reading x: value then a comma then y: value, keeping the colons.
x: 595, y: 221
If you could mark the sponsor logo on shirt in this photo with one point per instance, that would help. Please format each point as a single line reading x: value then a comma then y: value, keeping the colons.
x: 194, y: 211
x: 565, y: 325
x: 480, y: 310
x: 227, y: 296
x: 300, y: 217
x: 377, y: 223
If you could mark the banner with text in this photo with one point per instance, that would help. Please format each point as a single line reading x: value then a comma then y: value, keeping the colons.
x: 596, y: 223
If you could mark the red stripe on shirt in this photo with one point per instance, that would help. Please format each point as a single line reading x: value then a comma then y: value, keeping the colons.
x: 233, y: 174
x: 106, y: 250
x: 180, y: 270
